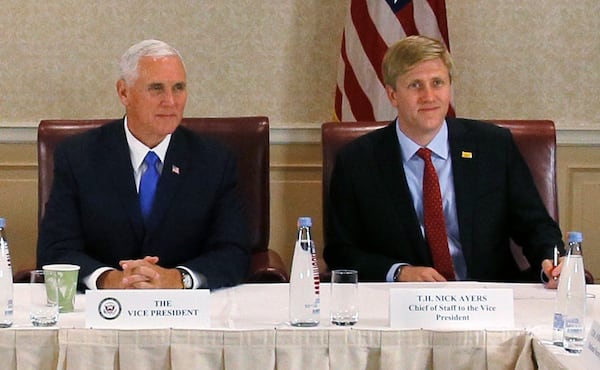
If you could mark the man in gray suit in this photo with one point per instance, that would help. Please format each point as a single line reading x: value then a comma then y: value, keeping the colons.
x: 374, y: 219
x: 190, y: 232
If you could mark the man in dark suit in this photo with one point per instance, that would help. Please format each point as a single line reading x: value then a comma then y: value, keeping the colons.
x: 375, y: 216
x: 188, y: 233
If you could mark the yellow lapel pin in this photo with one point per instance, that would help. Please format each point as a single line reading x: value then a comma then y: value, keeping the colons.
x: 467, y: 155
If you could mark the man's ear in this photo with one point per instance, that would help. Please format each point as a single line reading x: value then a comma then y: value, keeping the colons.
x: 391, y: 94
x: 122, y: 91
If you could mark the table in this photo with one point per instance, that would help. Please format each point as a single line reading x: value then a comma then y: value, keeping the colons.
x: 249, y: 331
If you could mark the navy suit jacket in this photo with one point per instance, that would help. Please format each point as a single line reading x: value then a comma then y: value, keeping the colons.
x: 370, y: 221
x: 93, y: 218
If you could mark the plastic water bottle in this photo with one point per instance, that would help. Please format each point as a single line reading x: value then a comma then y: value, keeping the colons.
x: 6, y: 280
x: 304, y: 280
x: 559, y: 310
x: 572, y: 280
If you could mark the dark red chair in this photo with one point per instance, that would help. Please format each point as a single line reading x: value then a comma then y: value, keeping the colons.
x: 247, y: 137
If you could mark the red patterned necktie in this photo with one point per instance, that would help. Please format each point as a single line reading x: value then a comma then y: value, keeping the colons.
x: 435, y: 224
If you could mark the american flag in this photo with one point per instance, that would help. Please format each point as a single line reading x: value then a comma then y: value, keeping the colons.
x: 371, y: 27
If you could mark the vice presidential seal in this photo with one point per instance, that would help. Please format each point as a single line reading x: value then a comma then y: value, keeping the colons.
x: 109, y: 308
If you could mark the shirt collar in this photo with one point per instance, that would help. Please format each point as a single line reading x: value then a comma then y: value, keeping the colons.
x: 138, y: 150
x: 438, y: 145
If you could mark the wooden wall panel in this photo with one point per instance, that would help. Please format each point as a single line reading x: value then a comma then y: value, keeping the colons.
x: 18, y: 201
x: 295, y: 191
x: 579, y: 199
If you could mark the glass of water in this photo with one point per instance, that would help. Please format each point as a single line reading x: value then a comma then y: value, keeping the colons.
x: 43, y: 311
x: 344, y: 297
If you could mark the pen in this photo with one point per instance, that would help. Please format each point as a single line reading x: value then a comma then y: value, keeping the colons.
x: 555, y: 257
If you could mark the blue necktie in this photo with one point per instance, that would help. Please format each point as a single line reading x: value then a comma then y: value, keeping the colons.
x: 148, y: 183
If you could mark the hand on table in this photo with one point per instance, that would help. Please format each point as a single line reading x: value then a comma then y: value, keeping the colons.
x: 141, y: 274
x: 419, y: 274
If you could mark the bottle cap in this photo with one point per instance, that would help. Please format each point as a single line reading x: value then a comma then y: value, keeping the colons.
x: 304, y: 222
x: 2, y: 222
x: 575, y: 236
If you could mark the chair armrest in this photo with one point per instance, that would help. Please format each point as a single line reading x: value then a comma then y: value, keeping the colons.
x: 22, y: 276
x: 589, y: 278
x: 266, y: 266
x: 324, y: 271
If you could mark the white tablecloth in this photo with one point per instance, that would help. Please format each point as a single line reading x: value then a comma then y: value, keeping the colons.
x: 249, y: 330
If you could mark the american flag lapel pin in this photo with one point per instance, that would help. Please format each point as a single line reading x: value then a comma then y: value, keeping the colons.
x: 175, y: 169
x: 467, y: 155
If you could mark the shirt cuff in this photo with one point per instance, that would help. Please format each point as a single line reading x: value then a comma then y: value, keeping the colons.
x: 199, y: 280
x: 389, y: 277
x: 543, y: 277
x: 91, y: 280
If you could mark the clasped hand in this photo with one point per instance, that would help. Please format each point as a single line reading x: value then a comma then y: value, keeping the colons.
x: 142, y: 273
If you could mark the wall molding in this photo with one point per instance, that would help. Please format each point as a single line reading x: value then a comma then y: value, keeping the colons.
x: 574, y: 134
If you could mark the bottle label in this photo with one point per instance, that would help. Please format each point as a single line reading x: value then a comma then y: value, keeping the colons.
x: 316, y: 278
x: 572, y: 321
x: 4, y: 250
x: 8, y: 310
x: 558, y: 321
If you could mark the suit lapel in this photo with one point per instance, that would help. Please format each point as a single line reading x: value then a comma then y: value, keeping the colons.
x: 394, y: 178
x: 118, y: 162
x: 463, y: 149
x: 175, y: 170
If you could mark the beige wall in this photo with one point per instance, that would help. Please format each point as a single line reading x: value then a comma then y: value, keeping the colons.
x: 527, y: 59
x: 514, y: 59
x: 244, y: 57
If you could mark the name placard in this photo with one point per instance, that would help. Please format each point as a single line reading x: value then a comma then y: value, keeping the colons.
x: 146, y: 309
x: 452, y: 308
x: 590, y: 355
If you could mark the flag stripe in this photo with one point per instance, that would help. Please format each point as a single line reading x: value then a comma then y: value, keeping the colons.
x: 439, y: 9
x: 371, y: 27
x: 354, y: 92
x: 371, y: 42
x: 385, y: 21
x: 405, y: 16
x: 363, y: 73
x: 425, y: 19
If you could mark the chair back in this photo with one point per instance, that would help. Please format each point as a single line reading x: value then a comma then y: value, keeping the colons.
x: 536, y: 140
x: 247, y: 137
x: 334, y: 136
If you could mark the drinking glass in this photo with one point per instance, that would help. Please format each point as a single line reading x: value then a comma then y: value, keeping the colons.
x: 344, y: 297
x: 43, y: 310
